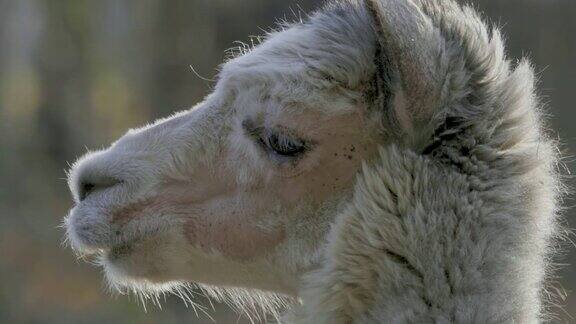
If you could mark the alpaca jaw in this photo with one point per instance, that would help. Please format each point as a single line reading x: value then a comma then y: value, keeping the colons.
x: 125, y: 226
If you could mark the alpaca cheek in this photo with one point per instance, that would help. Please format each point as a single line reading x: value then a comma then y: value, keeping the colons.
x: 131, y: 212
x: 233, y: 239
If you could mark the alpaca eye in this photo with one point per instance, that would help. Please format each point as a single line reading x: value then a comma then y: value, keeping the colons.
x: 283, y: 145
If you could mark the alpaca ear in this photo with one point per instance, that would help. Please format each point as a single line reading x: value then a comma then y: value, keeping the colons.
x: 409, y: 65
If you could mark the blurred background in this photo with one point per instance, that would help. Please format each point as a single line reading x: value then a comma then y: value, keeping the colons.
x: 76, y: 74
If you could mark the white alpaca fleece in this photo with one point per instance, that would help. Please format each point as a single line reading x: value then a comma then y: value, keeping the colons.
x: 457, y: 231
x: 381, y: 162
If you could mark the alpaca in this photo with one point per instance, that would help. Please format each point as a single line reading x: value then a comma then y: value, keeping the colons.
x: 381, y: 161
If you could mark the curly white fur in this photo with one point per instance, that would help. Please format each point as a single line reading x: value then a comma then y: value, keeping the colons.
x: 460, y: 231
x: 428, y: 194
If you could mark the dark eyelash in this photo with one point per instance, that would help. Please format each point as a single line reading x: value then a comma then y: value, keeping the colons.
x: 276, y: 142
x: 282, y: 144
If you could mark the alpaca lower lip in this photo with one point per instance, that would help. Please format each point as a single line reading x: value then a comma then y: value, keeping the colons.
x: 86, y: 242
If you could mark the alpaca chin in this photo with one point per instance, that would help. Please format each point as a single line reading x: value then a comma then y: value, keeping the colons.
x: 86, y: 231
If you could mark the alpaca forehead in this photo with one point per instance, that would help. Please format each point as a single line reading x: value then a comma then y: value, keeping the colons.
x: 280, y: 101
x: 277, y: 75
x: 332, y: 48
x: 283, y: 50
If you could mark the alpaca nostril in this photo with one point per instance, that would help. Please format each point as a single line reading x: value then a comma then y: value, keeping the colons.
x: 88, y: 187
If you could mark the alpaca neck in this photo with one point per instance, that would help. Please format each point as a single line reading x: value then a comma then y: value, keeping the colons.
x: 422, y: 242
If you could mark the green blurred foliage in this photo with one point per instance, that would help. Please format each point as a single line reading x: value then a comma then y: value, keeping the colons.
x: 76, y: 74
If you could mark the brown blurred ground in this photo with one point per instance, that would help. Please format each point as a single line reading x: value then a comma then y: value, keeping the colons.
x: 75, y: 74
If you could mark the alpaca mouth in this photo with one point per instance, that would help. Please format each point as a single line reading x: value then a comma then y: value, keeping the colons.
x: 85, y: 248
x: 90, y: 231
x: 111, y: 253
x: 116, y: 249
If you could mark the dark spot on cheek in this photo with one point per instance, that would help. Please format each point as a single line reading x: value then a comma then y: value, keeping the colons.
x: 335, y: 154
x: 352, y: 148
x: 120, y: 251
x: 349, y: 157
x: 233, y: 238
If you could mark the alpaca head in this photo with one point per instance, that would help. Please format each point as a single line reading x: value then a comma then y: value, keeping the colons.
x: 240, y: 191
